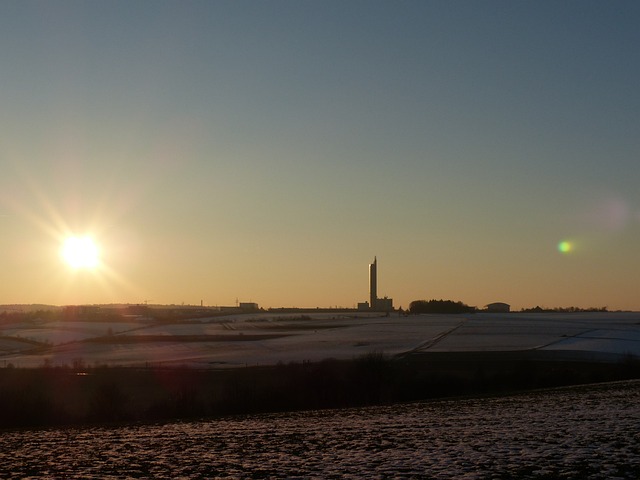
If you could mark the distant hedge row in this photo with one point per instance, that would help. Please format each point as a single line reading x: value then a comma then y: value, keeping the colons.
x: 67, y: 396
x: 439, y: 306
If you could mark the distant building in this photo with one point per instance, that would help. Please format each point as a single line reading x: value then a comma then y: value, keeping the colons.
x: 384, y: 304
x: 248, y: 306
x: 373, y: 282
x: 376, y: 304
x: 363, y: 306
x: 498, y: 307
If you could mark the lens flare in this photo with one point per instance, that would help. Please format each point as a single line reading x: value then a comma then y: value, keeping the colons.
x: 565, y: 246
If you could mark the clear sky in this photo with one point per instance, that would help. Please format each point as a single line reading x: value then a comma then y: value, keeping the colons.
x: 267, y: 151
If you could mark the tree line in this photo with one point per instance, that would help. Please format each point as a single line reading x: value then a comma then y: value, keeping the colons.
x: 80, y: 395
x: 439, y: 306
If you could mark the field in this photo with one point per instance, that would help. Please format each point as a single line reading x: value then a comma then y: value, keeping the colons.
x: 70, y: 372
x: 268, y: 339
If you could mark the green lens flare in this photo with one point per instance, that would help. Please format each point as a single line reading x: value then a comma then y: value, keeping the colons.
x: 565, y: 246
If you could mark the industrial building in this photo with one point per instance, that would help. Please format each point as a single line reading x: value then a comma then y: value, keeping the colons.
x: 498, y: 307
x: 375, y: 304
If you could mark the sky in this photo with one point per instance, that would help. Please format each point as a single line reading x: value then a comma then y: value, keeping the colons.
x: 224, y: 151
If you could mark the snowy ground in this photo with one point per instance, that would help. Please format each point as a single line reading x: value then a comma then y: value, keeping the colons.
x: 571, y: 433
x: 265, y: 339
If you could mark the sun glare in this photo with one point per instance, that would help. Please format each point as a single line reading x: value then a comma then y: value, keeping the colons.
x: 80, y: 252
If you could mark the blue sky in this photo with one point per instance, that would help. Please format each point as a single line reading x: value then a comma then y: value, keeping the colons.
x: 267, y: 151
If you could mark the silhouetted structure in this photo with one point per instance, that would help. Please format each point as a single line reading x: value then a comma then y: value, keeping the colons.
x: 498, y: 307
x: 376, y: 304
x: 373, y: 282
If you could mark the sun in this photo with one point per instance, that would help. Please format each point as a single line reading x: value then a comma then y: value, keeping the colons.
x: 80, y: 252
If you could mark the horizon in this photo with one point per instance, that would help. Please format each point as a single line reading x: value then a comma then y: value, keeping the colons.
x: 171, y: 153
x: 566, y: 309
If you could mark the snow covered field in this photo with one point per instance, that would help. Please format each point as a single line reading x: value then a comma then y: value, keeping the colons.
x: 266, y: 339
x: 569, y: 433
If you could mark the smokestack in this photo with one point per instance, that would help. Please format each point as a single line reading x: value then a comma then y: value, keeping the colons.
x: 373, y: 283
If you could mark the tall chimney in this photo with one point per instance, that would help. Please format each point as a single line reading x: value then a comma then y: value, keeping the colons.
x: 373, y: 284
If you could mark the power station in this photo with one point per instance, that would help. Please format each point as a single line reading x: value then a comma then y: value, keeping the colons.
x: 373, y: 282
x: 375, y: 304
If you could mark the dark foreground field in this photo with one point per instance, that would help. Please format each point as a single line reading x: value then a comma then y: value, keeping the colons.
x: 68, y: 396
